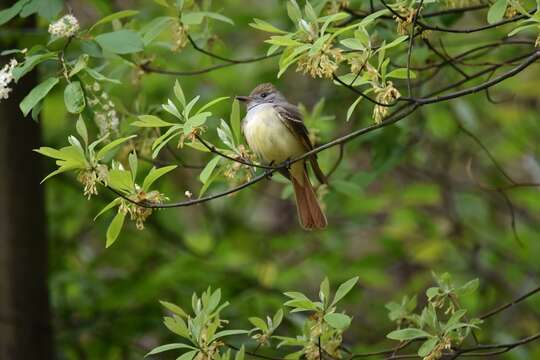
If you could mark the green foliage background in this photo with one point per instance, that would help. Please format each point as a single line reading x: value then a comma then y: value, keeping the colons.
x: 406, y: 200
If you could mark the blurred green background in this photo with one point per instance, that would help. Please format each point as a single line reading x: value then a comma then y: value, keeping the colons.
x: 405, y: 200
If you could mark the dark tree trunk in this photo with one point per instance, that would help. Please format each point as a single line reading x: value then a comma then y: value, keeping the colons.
x: 25, y: 326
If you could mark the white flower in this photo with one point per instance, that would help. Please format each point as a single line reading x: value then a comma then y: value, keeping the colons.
x: 66, y: 26
x: 188, y: 194
x: 6, y: 77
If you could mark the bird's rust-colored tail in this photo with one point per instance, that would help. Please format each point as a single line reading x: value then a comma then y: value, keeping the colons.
x: 310, y: 213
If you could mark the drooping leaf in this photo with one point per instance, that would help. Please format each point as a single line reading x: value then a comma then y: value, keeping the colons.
x: 208, y: 169
x: 338, y: 321
x: 74, y: 97
x: 168, y: 347
x: 37, y: 94
x: 496, y: 11
x: 407, y: 334
x: 120, y: 42
x: 11, y: 12
x: 114, y: 228
x: 150, y: 121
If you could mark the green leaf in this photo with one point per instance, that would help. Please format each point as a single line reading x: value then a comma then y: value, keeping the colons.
x: 49, y: 9
x: 173, y: 308
x: 151, y: 121
x: 432, y: 292
x: 179, y: 93
x: 120, y: 42
x: 108, y: 207
x: 284, y: 40
x: 259, y: 323
x: 114, y: 16
x: 338, y: 321
x: 74, y: 98
x: 177, y: 326
x: 11, y: 12
x: 196, y: 17
x: 344, y: 289
x: 155, y: 174
x: 133, y: 164
x: 121, y: 180
x: 296, y: 295
x: 29, y: 63
x: 168, y: 347
x: 278, y: 317
x: 353, y: 43
x: 99, y: 77
x: 211, y: 103
x: 407, y: 334
x: 190, y: 105
x: 81, y: 63
x: 235, y: 121
x: 400, y: 74
x: 293, y: 10
x: 114, y: 228
x: 240, y: 354
x: 224, y: 333
x: 208, y: 169
x: 428, y: 346
x: 301, y: 304
x: 469, y: 287
x: 264, y: 26
x: 80, y: 126
x: 151, y: 31
x: 351, y: 108
x: 324, y: 291
x: 496, y: 11
x: 188, y: 356
x: 37, y: 94
x: 110, y: 146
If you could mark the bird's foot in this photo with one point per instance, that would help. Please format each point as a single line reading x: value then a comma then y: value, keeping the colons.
x: 269, y: 172
x: 287, y: 163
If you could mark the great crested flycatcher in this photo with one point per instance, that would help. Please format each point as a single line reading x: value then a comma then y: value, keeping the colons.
x: 275, y: 132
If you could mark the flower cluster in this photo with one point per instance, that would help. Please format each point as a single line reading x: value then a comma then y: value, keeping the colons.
x: 180, y: 36
x: 234, y: 168
x: 405, y: 21
x: 91, y: 177
x: 384, y: 95
x: 322, y: 337
x: 437, y: 353
x: 66, y: 26
x: 191, y: 136
x: 138, y: 213
x: 323, y: 63
x: 106, y: 117
x: 335, y: 6
x: 358, y: 62
x: 6, y: 77
x: 461, y: 3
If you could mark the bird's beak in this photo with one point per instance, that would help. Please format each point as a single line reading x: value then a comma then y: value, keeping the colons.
x: 243, y: 98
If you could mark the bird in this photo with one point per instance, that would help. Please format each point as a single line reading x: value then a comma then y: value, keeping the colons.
x: 275, y: 131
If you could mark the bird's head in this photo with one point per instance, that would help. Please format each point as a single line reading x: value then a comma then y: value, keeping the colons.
x: 262, y: 94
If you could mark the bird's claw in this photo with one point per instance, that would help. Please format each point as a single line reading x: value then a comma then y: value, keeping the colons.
x: 268, y: 172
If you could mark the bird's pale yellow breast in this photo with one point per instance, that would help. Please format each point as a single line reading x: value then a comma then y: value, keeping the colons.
x: 268, y: 136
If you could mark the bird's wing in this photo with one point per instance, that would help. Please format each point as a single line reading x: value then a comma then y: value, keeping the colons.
x: 291, y: 117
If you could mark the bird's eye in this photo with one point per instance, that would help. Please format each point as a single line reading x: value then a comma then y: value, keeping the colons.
x: 263, y: 95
